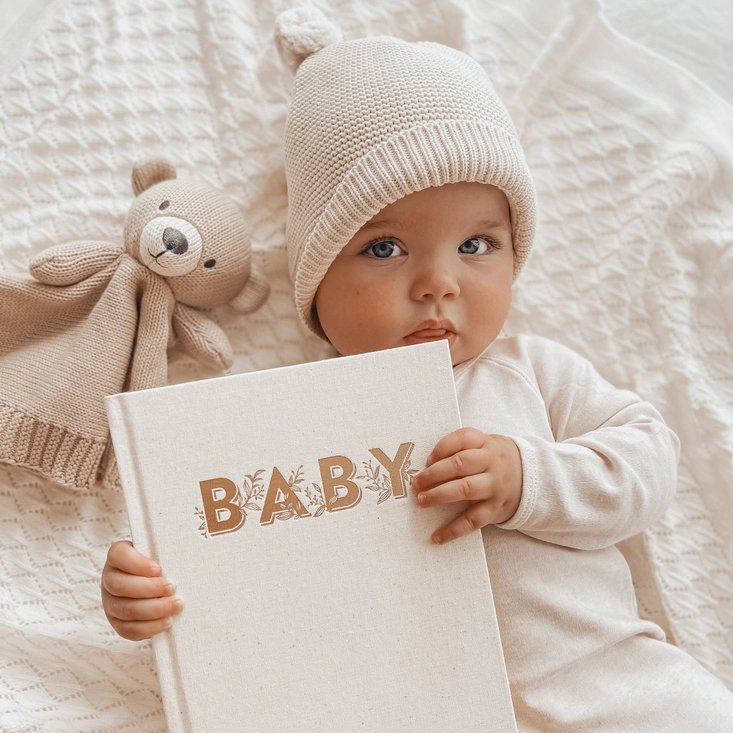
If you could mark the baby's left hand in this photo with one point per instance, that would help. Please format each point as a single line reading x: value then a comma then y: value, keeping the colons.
x: 470, y: 465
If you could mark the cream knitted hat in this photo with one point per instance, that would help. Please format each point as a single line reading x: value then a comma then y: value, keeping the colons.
x: 375, y: 119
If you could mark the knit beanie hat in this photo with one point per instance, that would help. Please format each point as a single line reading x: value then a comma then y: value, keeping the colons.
x: 375, y: 119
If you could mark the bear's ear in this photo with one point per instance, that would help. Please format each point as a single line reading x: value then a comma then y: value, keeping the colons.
x: 149, y: 172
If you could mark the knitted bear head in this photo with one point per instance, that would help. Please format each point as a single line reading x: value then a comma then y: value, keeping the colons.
x: 191, y: 235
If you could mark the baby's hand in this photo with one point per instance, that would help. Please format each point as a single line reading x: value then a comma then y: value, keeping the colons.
x: 138, y: 601
x: 470, y: 465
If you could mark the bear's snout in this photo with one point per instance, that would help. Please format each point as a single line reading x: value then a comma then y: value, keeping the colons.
x: 175, y: 241
x: 170, y: 246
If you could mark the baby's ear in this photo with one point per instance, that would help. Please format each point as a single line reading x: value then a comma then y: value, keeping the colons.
x: 147, y: 173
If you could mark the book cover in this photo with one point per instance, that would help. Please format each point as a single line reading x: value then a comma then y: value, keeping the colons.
x: 279, y: 502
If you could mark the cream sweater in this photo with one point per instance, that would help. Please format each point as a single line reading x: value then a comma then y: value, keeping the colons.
x: 599, y: 466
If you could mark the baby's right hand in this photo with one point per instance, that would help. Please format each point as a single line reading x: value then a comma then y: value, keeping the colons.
x: 138, y: 601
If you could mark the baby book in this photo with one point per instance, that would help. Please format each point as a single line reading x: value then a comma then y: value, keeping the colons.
x: 280, y: 503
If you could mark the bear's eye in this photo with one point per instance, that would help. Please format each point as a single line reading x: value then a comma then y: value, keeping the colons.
x: 164, y: 205
x: 209, y: 263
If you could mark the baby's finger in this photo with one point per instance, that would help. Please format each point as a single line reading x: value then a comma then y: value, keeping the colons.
x: 139, y: 630
x: 458, y: 440
x: 464, y: 463
x: 137, y: 609
x: 125, y: 585
x: 470, y: 488
x: 476, y: 516
x: 123, y: 556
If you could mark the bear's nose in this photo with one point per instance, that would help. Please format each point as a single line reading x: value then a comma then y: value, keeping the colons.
x: 170, y: 246
x: 175, y: 241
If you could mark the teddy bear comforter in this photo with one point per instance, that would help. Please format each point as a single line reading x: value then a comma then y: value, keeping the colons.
x: 97, y: 318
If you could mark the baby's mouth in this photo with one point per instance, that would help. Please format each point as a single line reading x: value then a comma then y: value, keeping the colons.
x: 424, y: 335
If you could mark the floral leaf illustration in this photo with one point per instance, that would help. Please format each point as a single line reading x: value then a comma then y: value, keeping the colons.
x: 368, y: 476
x: 254, y: 488
x: 202, y: 527
x: 314, y: 495
x: 407, y: 474
x: 253, y: 507
x: 376, y: 480
x: 247, y: 489
x: 296, y: 477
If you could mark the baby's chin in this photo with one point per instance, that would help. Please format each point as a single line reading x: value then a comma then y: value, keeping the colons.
x: 461, y: 350
x: 458, y: 352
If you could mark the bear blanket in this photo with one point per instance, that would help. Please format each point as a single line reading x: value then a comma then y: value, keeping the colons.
x: 96, y: 318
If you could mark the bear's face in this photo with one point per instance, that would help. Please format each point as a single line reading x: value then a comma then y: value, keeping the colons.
x: 193, y: 236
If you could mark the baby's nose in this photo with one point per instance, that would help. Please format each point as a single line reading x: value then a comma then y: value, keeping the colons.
x: 175, y: 241
x: 435, y: 282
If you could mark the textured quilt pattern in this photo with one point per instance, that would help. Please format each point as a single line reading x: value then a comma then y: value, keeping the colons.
x: 633, y: 267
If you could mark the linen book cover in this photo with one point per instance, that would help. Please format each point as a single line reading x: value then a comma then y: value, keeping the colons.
x: 279, y: 502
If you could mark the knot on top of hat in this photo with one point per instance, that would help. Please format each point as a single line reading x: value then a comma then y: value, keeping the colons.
x: 300, y: 32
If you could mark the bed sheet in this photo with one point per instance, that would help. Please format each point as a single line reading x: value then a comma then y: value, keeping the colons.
x: 633, y: 265
x: 696, y: 35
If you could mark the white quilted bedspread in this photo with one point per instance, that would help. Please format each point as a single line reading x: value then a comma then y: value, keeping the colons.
x: 633, y: 267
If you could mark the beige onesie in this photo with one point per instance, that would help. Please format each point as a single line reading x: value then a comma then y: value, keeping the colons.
x: 599, y: 466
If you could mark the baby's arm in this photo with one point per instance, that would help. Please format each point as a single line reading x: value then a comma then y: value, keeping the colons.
x: 590, y: 490
x: 611, y: 469
x: 138, y: 601
x: 609, y: 473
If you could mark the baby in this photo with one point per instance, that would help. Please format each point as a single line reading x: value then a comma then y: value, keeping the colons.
x: 411, y: 211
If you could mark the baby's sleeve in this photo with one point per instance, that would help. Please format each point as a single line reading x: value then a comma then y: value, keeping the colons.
x: 612, y: 469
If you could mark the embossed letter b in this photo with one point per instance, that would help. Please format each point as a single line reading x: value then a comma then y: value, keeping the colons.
x: 221, y: 512
x: 336, y: 473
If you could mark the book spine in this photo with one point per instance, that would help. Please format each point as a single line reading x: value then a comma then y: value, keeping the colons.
x: 123, y: 439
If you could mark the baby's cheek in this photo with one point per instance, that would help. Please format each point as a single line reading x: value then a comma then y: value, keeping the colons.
x: 359, y: 308
x: 380, y: 308
x: 366, y: 322
x: 371, y: 305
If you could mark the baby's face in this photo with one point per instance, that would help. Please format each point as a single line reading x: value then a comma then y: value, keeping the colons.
x: 437, y: 264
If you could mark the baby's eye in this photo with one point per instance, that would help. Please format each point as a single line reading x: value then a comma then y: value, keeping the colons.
x: 384, y: 249
x: 474, y: 246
